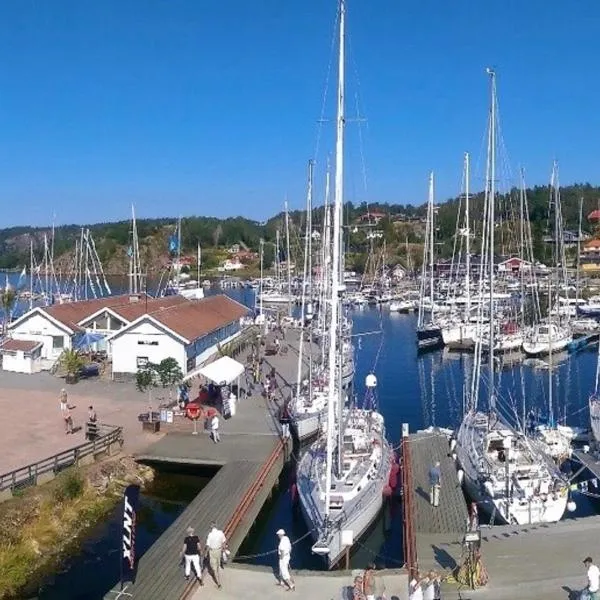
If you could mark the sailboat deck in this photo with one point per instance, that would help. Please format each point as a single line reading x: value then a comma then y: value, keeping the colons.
x: 448, y: 521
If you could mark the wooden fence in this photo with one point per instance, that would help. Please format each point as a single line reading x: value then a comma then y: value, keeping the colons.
x: 109, y: 441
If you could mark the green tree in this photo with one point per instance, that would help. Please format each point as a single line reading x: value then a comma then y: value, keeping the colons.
x: 169, y: 373
x: 72, y: 362
x: 146, y: 379
x: 8, y: 299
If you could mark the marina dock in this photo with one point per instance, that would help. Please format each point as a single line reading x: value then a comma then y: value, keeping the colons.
x: 437, y: 532
x: 249, y: 459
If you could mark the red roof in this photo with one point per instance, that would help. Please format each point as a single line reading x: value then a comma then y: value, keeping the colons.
x: 13, y: 345
x: 195, y: 318
x: 592, y: 244
x: 594, y: 216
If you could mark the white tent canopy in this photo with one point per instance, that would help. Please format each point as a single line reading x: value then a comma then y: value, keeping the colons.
x: 223, y: 371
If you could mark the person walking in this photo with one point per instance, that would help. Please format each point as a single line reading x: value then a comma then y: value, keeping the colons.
x: 214, y: 429
x: 91, y: 430
x: 216, y: 543
x: 284, y: 420
x: 593, y: 576
x: 415, y: 591
x: 368, y: 582
x: 65, y: 411
x: 191, y: 553
x: 435, y: 482
x: 284, y: 551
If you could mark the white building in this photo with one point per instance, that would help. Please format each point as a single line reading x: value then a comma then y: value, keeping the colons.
x: 190, y: 333
x: 20, y: 356
x: 231, y: 264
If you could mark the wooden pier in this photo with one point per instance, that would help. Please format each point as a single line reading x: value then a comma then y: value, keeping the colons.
x: 435, y: 534
x: 249, y: 458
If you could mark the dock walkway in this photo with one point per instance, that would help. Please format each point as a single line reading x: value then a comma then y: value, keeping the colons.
x: 438, y: 531
x: 250, y: 458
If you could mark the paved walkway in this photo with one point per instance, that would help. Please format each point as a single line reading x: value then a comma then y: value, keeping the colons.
x: 254, y: 583
x: 32, y: 428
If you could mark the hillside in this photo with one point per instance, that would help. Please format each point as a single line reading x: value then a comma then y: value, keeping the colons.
x: 401, y: 226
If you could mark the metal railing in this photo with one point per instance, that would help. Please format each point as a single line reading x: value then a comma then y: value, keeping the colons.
x: 28, y: 476
x: 408, y: 512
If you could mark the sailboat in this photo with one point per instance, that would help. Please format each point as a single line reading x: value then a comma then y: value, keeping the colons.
x: 341, y: 477
x: 510, y: 476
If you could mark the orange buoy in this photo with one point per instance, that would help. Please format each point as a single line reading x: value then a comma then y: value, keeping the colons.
x: 193, y: 411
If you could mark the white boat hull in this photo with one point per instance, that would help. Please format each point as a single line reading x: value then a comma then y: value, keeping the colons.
x: 532, y: 348
x: 307, y: 425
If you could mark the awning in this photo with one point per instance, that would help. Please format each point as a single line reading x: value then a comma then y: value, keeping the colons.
x: 87, y: 339
x: 223, y: 371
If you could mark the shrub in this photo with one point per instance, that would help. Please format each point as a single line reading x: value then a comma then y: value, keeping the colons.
x: 70, y: 486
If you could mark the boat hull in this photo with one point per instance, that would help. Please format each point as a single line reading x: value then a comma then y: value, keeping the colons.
x: 429, y: 337
x: 307, y: 426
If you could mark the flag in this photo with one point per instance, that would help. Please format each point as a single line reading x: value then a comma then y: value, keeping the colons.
x: 130, y: 502
x: 173, y: 244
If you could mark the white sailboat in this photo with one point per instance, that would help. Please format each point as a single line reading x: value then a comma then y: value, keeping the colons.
x: 508, y: 475
x: 342, y: 475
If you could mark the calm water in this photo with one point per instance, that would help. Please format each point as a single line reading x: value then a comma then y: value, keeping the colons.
x: 93, y: 572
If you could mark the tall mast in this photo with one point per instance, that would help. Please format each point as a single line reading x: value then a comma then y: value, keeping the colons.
x: 287, y: 261
x: 491, y: 189
x: 578, y: 252
x: 431, y: 240
x: 30, y: 274
x: 198, y: 260
x: 336, y: 288
x: 468, y: 234
x: 522, y: 240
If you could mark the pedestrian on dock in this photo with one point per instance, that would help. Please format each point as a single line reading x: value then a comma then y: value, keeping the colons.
x: 191, y: 553
x: 216, y: 544
x: 415, y: 589
x: 284, y: 552
x: 593, y: 576
x: 369, y: 582
x: 284, y: 420
x: 214, y: 428
x: 65, y: 411
x: 435, y: 483
x: 431, y: 586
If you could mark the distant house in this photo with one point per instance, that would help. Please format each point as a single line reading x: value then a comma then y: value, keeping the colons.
x: 570, y: 238
x: 234, y: 249
x: 231, y: 264
x: 594, y: 216
x: 398, y: 272
x: 590, y: 256
x: 372, y: 217
x: 514, y: 265
x: 374, y: 235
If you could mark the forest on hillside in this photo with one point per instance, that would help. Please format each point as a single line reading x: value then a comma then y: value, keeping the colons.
x: 401, y: 228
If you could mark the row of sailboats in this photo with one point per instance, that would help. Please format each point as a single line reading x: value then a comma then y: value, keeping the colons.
x: 511, y: 476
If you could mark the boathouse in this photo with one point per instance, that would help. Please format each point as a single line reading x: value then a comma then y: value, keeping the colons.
x: 189, y: 332
x: 20, y: 356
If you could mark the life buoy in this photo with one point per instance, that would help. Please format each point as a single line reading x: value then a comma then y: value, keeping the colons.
x: 192, y: 411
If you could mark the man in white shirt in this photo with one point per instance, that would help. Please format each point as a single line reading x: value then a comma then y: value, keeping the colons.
x: 284, y: 552
x: 216, y: 542
x: 415, y: 591
x: 214, y: 429
x: 593, y: 575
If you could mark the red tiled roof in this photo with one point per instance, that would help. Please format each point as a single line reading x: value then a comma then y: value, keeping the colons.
x: 71, y: 313
x: 594, y: 215
x: 131, y: 311
x: 199, y: 317
x: 592, y: 244
x: 13, y: 345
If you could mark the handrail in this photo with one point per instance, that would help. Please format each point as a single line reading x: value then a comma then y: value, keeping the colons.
x: 28, y: 474
x: 408, y: 517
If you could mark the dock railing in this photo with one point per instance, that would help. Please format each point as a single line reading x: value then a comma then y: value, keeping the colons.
x: 409, y: 538
x: 109, y: 438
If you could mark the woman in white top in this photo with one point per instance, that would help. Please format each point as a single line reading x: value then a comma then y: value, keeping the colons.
x: 415, y: 591
x: 431, y: 585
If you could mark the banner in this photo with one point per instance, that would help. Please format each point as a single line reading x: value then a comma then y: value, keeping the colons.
x: 130, y: 503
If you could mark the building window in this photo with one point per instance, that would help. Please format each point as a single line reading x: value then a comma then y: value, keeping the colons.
x: 58, y: 342
x: 141, y: 362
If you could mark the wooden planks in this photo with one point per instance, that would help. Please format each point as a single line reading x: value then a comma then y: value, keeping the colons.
x: 451, y: 515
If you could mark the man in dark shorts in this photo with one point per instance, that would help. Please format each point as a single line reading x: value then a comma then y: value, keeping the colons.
x: 191, y: 553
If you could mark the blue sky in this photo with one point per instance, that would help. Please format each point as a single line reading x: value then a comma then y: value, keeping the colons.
x: 211, y: 106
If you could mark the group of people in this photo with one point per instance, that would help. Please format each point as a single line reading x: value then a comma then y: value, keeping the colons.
x: 214, y: 553
x: 425, y: 586
x: 66, y: 411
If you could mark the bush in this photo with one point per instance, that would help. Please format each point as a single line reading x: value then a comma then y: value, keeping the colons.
x: 70, y: 486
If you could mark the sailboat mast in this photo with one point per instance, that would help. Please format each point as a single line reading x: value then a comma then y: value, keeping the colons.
x: 431, y: 241
x: 198, y: 259
x: 491, y: 185
x: 30, y: 274
x: 336, y: 287
x: 577, y: 282
x: 287, y: 258
x: 468, y: 234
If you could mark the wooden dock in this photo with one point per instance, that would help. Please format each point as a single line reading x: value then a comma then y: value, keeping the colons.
x: 250, y: 458
x: 437, y: 531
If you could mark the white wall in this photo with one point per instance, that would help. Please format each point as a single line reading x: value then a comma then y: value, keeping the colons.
x: 20, y: 363
x: 125, y: 348
x: 38, y: 328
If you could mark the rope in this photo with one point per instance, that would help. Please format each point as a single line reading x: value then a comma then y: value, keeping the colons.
x: 261, y: 554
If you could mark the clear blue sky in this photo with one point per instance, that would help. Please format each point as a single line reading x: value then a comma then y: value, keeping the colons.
x: 210, y: 106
